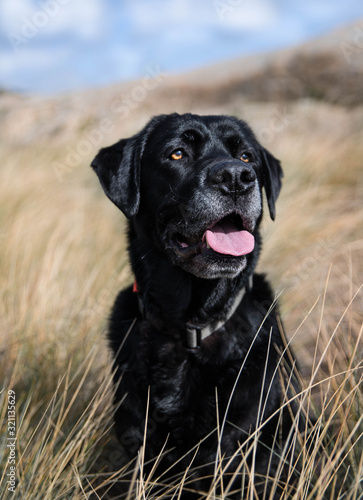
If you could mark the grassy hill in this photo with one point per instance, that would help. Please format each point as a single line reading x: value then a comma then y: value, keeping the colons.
x: 62, y: 256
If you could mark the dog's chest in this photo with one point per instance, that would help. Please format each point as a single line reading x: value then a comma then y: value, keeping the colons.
x: 187, y: 394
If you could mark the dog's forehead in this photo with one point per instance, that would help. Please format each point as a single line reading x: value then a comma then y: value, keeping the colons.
x: 190, y: 127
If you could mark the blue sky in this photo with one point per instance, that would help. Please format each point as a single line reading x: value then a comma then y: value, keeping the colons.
x: 52, y: 46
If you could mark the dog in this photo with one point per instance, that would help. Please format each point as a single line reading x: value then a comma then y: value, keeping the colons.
x: 196, y: 340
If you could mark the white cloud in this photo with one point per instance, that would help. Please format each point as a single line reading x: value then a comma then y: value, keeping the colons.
x: 249, y: 15
x: 53, y: 17
x: 12, y: 12
x: 28, y: 27
x: 177, y: 16
x: 85, y: 18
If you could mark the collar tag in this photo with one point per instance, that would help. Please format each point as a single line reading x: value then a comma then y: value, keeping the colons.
x: 193, y: 337
x: 195, y: 334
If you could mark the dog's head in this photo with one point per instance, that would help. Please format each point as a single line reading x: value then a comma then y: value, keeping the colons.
x: 192, y: 186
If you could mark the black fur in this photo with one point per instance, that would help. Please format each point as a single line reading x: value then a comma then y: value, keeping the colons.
x: 232, y: 378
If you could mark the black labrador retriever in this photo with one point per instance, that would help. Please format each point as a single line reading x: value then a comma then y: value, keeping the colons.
x: 196, y: 340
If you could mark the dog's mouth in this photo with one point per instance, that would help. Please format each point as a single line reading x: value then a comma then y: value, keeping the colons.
x: 226, y: 237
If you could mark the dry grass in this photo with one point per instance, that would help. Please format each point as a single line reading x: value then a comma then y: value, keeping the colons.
x: 62, y: 261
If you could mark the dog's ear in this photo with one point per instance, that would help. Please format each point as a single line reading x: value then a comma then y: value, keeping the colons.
x: 118, y: 169
x: 272, y: 175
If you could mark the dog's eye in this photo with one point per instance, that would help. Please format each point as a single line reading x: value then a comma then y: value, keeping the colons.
x: 246, y: 157
x: 177, y: 155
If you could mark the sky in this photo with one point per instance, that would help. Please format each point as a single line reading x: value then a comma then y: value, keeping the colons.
x: 55, y: 46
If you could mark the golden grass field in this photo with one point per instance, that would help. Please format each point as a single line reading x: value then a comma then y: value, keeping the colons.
x: 63, y: 260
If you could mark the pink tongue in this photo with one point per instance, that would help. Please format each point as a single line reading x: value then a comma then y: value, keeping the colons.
x: 226, y: 239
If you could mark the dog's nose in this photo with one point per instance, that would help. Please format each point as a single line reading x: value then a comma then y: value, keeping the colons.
x: 232, y: 177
